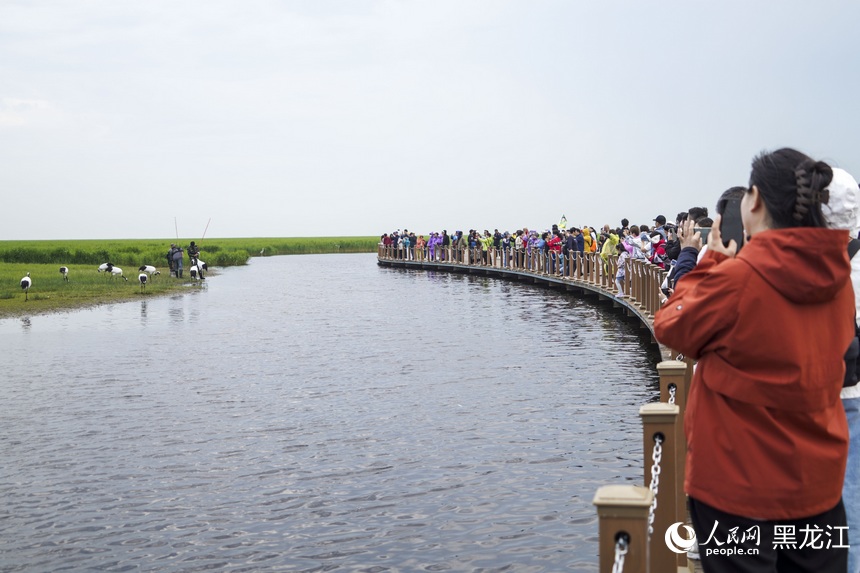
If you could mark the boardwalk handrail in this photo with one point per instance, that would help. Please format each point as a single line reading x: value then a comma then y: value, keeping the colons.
x: 586, y: 271
x: 623, y: 510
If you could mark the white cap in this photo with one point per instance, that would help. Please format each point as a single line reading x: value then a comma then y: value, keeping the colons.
x: 843, y: 208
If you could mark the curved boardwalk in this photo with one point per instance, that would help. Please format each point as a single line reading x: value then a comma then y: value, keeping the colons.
x: 632, y: 522
x: 586, y: 274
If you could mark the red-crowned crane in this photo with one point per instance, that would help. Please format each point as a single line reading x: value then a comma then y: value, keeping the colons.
x: 117, y: 272
x: 65, y: 272
x: 149, y: 269
x: 26, y: 283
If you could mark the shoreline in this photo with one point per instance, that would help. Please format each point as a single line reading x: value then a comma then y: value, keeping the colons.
x: 89, y: 289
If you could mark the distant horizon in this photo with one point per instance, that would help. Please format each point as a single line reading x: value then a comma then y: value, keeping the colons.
x: 174, y: 239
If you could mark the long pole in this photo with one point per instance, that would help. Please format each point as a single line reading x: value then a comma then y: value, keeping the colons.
x: 206, y: 229
x: 176, y: 227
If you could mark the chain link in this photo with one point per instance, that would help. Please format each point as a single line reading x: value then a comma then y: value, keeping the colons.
x: 620, y: 552
x: 672, y: 390
x: 656, y: 457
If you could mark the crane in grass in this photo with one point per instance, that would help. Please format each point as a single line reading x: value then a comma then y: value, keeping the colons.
x: 26, y: 283
x: 116, y: 272
x: 149, y: 269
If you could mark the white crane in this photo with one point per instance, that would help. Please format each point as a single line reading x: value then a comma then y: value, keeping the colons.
x: 117, y: 272
x: 149, y: 269
x: 197, y: 269
x: 65, y: 272
x: 26, y: 283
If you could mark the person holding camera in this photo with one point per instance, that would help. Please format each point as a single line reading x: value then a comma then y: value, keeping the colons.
x: 766, y: 432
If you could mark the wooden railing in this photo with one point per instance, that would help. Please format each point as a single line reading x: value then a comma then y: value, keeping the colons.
x: 624, y: 511
x: 589, y: 271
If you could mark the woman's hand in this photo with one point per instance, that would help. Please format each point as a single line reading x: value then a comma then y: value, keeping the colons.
x: 715, y: 240
x: 688, y: 237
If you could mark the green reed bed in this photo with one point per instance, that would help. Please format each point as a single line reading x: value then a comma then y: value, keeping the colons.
x: 88, y: 287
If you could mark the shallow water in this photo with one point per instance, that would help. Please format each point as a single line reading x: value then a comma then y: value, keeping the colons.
x: 319, y: 413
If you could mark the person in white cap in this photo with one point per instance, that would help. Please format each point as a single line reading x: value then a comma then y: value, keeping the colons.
x: 843, y: 212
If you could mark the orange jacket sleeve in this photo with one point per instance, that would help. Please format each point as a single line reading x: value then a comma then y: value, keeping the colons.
x: 702, y: 306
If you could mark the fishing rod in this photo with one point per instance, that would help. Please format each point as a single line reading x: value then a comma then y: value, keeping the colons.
x: 175, y: 226
x: 206, y: 229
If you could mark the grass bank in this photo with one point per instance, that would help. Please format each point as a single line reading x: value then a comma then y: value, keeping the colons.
x: 88, y: 287
x: 137, y: 252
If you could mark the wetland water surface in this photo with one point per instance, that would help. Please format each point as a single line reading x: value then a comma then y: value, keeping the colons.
x: 318, y: 413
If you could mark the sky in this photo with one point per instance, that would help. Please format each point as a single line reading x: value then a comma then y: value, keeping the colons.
x: 267, y: 118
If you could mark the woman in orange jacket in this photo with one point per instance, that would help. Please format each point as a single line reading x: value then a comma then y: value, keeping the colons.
x: 766, y: 432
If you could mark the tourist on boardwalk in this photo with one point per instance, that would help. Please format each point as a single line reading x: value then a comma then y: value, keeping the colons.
x: 485, y: 241
x: 609, y: 249
x: 587, y: 239
x: 406, y: 244
x: 554, y: 246
x: 767, y: 434
x: 628, y: 236
x: 623, y: 256
x: 420, y: 243
x: 463, y: 247
x: 519, y: 249
x: 658, y: 250
x: 579, y: 246
x: 692, y: 249
x: 661, y: 226
x: 506, y: 249
x: 842, y: 212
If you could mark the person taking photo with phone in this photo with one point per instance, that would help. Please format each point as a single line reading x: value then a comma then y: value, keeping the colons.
x: 766, y: 431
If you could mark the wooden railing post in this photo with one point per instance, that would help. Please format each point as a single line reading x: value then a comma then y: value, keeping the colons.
x: 623, y: 510
x: 673, y: 388
x: 659, y: 421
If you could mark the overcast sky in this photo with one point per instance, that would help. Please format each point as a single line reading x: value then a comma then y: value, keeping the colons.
x: 314, y: 118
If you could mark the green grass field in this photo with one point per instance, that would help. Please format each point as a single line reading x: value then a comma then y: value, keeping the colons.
x: 88, y: 287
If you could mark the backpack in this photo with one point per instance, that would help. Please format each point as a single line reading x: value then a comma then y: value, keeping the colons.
x: 852, y: 355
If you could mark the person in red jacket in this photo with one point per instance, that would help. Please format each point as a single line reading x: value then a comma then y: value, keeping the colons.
x: 766, y: 432
x: 554, y: 245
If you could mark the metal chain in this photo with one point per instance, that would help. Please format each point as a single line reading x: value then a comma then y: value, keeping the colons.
x: 672, y: 390
x: 620, y: 552
x: 656, y: 457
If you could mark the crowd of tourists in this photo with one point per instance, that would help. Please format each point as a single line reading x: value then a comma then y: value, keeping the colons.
x: 656, y: 242
x: 773, y: 415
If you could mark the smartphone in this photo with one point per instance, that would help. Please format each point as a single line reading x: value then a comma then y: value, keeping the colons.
x: 704, y: 232
x: 731, y: 225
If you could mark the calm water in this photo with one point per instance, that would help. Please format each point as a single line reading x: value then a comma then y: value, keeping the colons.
x: 318, y: 413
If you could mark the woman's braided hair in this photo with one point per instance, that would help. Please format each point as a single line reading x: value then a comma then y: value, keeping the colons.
x: 793, y: 187
x: 810, y: 191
